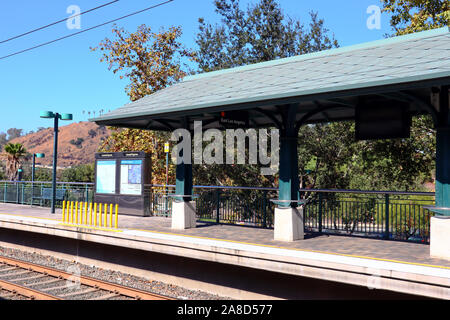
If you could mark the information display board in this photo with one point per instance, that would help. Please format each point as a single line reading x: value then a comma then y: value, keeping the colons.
x: 391, y: 120
x: 120, y: 178
x: 106, y: 177
x: 131, y: 177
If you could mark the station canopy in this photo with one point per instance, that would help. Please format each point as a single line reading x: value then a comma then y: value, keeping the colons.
x: 326, y: 86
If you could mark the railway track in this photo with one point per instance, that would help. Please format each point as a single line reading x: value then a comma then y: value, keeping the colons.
x: 28, y: 281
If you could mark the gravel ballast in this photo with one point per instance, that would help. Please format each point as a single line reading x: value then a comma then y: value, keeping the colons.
x: 120, y: 278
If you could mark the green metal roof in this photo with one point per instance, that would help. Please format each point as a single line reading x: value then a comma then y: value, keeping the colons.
x: 407, y: 66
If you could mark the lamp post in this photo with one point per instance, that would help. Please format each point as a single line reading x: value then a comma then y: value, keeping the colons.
x: 33, y: 168
x: 56, y: 117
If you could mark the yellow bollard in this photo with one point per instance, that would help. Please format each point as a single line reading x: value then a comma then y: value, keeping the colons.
x: 100, y: 213
x: 106, y: 216
x: 116, y: 222
x: 81, y: 213
x: 95, y: 214
x: 90, y: 214
x: 85, y: 214
x: 71, y: 212
x: 63, y: 209
x: 110, y: 215
x: 76, y: 212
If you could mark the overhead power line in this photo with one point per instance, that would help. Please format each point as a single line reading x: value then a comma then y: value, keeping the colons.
x: 86, y: 30
x: 57, y: 22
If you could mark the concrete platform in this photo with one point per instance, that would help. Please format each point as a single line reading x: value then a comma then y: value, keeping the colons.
x: 333, y: 264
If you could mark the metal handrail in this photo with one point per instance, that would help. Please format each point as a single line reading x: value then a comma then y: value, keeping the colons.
x: 412, y: 193
x: 382, y: 192
x: 49, y: 182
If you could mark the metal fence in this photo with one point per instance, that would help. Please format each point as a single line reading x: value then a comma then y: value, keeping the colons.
x: 378, y: 214
x: 34, y: 193
x: 387, y: 215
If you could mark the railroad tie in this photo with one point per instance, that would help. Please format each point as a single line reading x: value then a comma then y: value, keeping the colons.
x: 45, y: 282
x: 57, y: 288
x: 106, y: 296
x: 9, y: 269
x: 28, y: 278
x: 86, y: 291
x: 15, y: 274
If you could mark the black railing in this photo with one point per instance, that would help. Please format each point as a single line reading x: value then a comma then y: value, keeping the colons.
x: 379, y: 214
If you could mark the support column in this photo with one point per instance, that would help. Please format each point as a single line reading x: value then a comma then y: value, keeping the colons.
x: 183, y: 208
x: 288, y: 224
x: 440, y: 224
x: 443, y: 169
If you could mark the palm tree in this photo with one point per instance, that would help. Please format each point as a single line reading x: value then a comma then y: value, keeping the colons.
x: 15, y: 152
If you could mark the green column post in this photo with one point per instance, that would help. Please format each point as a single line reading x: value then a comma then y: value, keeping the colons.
x: 184, y: 181
x: 183, y: 175
x: 443, y: 152
x: 443, y: 168
x: 289, y: 181
x: 288, y: 184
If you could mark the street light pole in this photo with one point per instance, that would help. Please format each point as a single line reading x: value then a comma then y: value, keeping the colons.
x: 33, y: 171
x: 55, y: 160
x: 56, y: 117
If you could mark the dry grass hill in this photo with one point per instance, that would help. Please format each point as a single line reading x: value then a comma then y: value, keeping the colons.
x: 77, y: 143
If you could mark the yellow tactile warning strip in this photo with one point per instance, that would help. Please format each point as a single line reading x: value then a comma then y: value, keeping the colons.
x: 31, y: 217
x: 63, y: 224
x: 88, y: 228
x: 249, y: 243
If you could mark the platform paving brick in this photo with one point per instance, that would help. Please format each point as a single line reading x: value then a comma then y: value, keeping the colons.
x: 416, y: 253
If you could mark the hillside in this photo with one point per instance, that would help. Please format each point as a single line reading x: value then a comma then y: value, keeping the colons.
x: 89, y: 137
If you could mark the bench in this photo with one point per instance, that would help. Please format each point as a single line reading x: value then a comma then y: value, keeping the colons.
x: 47, y: 194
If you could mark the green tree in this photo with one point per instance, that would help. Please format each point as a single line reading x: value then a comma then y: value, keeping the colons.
x: 260, y: 33
x: 14, y: 133
x: 150, y: 61
x: 408, y: 162
x: 81, y: 173
x: 3, y: 139
x: 408, y: 16
x: 15, y: 152
x: 2, y: 171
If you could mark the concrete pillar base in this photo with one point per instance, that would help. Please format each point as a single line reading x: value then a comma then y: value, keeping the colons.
x: 184, y: 215
x: 440, y: 237
x: 288, y: 224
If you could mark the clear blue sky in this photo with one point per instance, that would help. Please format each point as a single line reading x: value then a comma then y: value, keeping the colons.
x: 67, y: 77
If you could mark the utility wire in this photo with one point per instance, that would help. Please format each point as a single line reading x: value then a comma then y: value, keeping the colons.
x: 57, y: 22
x: 86, y: 30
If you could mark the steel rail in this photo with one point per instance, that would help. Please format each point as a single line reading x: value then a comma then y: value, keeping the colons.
x: 26, y: 292
x: 91, y: 282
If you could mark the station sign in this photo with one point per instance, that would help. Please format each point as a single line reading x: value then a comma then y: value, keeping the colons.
x: 234, y: 119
